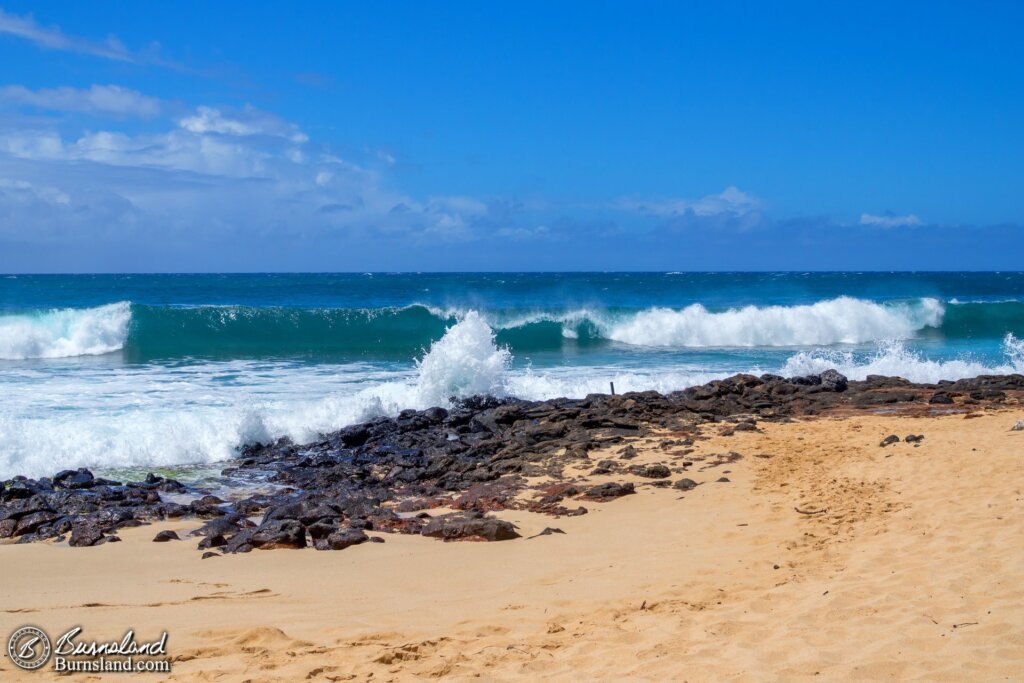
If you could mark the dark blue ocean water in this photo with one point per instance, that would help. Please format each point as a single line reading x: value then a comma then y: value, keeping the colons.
x: 145, y: 370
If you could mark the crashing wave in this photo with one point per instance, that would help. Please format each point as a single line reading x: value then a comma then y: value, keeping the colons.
x: 148, y: 332
x: 895, y: 359
x: 64, y: 333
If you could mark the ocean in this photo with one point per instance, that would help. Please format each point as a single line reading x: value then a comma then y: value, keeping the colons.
x: 127, y: 373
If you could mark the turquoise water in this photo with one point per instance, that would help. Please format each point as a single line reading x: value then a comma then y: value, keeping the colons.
x: 164, y: 370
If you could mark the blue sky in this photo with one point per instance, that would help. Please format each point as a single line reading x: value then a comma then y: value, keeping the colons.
x: 518, y: 136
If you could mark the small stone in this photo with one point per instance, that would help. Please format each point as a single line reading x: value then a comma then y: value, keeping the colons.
x: 609, y: 491
x: 685, y: 484
x: 891, y: 439
x: 914, y: 438
x: 341, y: 539
x: 165, y: 536
x: 548, y: 531
x: 212, y: 541
x: 651, y: 471
x: 470, y: 526
x: 1018, y: 427
x: 723, y: 480
x: 208, y: 554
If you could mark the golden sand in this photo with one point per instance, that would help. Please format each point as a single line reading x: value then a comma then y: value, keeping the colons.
x: 824, y: 557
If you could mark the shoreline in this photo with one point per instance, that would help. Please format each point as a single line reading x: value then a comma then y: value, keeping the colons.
x: 910, y: 568
x: 481, y: 456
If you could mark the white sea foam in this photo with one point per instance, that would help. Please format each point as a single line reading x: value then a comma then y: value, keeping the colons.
x: 108, y: 415
x: 843, y: 320
x: 105, y: 414
x: 63, y: 333
x: 895, y: 359
x: 465, y: 361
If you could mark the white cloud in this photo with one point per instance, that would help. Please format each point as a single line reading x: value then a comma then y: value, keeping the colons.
x: 26, y: 189
x: 32, y: 144
x: 889, y: 220
x: 538, y: 232
x: 242, y: 122
x: 218, y: 172
x: 731, y: 200
x: 52, y: 38
x: 104, y: 99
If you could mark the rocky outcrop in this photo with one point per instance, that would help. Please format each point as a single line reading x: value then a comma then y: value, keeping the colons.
x: 476, y: 457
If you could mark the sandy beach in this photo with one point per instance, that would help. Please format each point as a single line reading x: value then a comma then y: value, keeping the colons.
x: 823, y: 557
x: 560, y: 342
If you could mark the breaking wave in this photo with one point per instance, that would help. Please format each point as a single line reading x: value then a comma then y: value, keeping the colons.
x: 145, y: 332
x: 175, y: 414
x: 64, y: 333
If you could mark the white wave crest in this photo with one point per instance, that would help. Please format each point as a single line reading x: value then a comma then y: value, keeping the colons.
x: 843, y: 320
x: 896, y: 360
x: 64, y: 333
x: 113, y: 416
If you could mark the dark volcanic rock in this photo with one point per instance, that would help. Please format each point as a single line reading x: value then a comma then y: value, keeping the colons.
x: 914, y: 438
x: 31, y: 522
x: 240, y: 542
x: 891, y: 439
x: 85, y: 534
x: 832, y: 380
x: 212, y: 541
x: 685, y: 484
x: 463, y: 526
x: 285, y: 533
x: 479, y: 456
x: 69, y: 479
x: 609, y: 491
x: 988, y: 395
x: 548, y: 531
x: 628, y: 453
x: 166, y: 535
x: 651, y: 471
x: 225, y: 525
x: 341, y: 539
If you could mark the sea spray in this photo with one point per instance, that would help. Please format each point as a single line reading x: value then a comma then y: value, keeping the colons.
x: 894, y: 358
x: 464, y: 362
